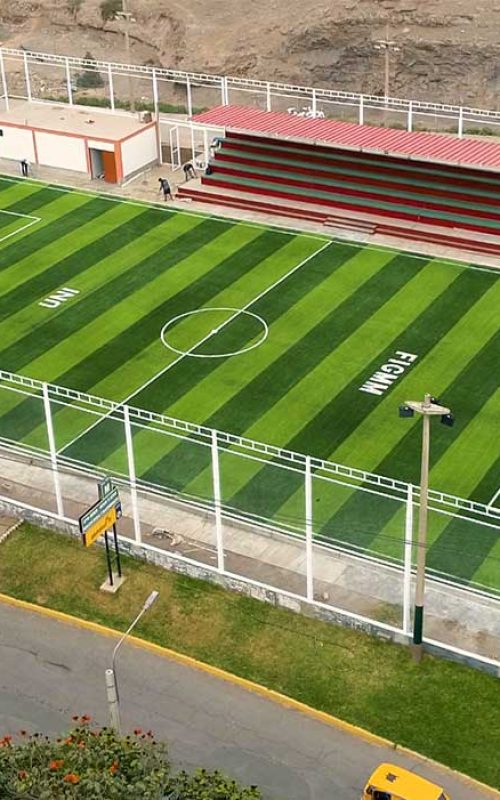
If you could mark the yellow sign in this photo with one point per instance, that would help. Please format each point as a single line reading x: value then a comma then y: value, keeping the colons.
x: 101, y: 525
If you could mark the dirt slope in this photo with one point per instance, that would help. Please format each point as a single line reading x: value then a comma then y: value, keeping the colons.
x: 449, y: 49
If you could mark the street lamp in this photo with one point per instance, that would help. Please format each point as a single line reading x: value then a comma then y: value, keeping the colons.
x: 111, y: 681
x: 429, y: 408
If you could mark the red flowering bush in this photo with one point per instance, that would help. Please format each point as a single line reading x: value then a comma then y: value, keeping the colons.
x: 91, y: 763
x: 88, y: 763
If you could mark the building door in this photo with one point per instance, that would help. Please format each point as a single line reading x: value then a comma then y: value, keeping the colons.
x: 96, y: 163
x: 110, y: 170
x: 175, y: 151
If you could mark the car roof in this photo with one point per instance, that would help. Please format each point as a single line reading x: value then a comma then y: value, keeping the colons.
x: 404, y: 784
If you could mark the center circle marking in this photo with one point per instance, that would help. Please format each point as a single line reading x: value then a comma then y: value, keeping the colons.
x: 235, y: 311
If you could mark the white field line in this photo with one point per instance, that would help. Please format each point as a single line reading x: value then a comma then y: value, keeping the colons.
x: 494, y: 499
x: 32, y: 221
x: 196, y: 345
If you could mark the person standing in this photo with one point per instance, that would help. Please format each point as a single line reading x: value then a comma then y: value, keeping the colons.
x: 24, y: 167
x: 165, y: 188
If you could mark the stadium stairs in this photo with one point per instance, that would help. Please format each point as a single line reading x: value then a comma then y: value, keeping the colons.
x: 356, y: 192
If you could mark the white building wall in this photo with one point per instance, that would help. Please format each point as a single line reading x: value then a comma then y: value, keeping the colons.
x: 16, y: 143
x: 139, y: 150
x: 97, y: 144
x: 64, y: 152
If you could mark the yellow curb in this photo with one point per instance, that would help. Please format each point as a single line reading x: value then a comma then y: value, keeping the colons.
x: 256, y: 688
x: 460, y: 775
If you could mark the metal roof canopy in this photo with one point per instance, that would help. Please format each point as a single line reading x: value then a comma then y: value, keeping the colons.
x: 436, y: 148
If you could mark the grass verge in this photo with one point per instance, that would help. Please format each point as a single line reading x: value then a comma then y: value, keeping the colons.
x: 444, y: 711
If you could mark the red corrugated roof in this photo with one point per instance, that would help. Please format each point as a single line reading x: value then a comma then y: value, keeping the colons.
x: 439, y: 148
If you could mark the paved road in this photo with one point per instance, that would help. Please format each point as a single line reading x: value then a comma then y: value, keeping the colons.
x: 50, y: 670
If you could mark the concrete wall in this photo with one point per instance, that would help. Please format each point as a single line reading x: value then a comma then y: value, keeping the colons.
x: 64, y: 152
x: 139, y: 151
x: 17, y: 143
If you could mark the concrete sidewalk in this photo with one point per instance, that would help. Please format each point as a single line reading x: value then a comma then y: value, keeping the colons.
x: 454, y: 616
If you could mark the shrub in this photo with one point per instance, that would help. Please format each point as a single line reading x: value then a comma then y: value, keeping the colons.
x: 203, y: 785
x: 74, y: 6
x: 98, y: 764
x: 90, y: 78
x: 109, y: 9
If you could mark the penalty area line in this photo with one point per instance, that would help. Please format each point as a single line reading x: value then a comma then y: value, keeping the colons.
x: 493, y: 500
x: 32, y: 221
x: 208, y: 336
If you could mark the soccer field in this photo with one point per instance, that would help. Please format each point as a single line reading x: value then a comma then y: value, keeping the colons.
x: 286, y: 338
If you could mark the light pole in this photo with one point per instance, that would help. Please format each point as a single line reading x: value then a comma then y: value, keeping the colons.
x: 387, y: 46
x: 112, y: 693
x: 429, y: 408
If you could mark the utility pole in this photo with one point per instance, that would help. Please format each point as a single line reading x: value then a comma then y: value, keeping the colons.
x: 126, y: 15
x: 387, y: 46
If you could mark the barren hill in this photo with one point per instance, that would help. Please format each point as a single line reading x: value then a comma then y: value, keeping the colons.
x: 449, y: 49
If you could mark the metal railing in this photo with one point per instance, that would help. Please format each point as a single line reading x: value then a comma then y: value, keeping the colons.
x: 267, y: 94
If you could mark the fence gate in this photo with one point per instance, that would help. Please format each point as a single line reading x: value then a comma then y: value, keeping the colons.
x: 175, y: 150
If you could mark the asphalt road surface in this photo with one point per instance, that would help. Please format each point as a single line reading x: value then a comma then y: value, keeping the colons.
x: 50, y: 670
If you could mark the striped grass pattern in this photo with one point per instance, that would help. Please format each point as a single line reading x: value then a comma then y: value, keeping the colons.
x: 324, y: 317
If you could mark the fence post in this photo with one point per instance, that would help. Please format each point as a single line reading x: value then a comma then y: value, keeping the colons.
x: 314, y: 103
x: 111, y: 88
x: 131, y: 474
x: 4, y: 81
x: 217, y: 502
x: 407, y: 561
x: 189, y: 97
x: 309, y: 532
x: 206, y: 148
x: 268, y: 96
x: 27, y: 76
x: 410, y: 116
x: 460, y: 122
x: 52, y: 449
x: 156, y: 102
x: 361, y: 110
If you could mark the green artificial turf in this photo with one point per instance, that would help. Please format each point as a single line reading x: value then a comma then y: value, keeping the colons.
x: 324, y: 317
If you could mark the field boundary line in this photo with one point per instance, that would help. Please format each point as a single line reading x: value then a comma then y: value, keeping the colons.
x: 322, y: 237
x: 32, y: 221
x: 208, y: 336
x: 493, y: 500
x: 251, y: 686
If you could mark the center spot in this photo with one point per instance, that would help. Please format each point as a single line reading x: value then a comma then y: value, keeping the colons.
x: 192, y: 333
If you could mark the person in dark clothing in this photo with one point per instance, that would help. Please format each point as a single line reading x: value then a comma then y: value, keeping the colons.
x: 165, y: 188
x: 24, y: 167
x: 189, y: 171
x: 216, y: 145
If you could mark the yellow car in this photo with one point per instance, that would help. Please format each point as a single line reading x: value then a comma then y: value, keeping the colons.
x: 389, y: 782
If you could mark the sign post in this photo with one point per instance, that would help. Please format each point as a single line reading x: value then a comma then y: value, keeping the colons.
x: 100, y: 519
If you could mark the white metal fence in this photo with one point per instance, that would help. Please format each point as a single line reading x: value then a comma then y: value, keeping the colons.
x: 342, y: 535
x: 38, y: 76
x: 239, y: 480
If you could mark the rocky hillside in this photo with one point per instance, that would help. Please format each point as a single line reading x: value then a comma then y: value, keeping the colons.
x: 448, y: 49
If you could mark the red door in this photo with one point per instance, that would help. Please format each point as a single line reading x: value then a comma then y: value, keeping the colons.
x: 109, y: 163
